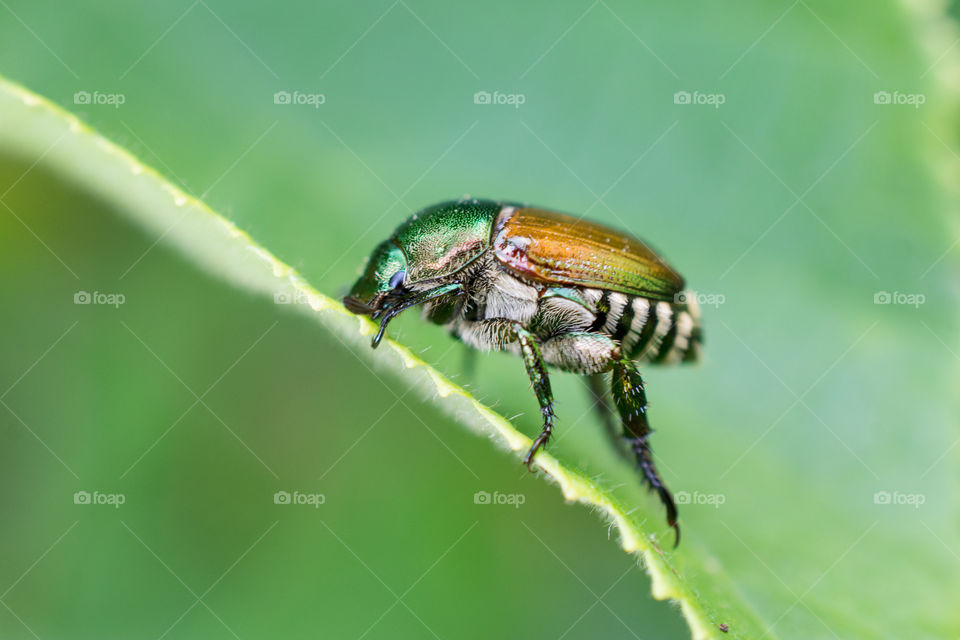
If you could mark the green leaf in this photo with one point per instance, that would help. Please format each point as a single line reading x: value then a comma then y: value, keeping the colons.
x: 34, y: 127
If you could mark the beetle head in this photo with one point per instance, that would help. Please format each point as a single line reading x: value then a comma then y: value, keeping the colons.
x: 421, y: 259
x: 382, y: 279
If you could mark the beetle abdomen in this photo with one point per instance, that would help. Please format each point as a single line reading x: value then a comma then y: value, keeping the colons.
x: 650, y: 330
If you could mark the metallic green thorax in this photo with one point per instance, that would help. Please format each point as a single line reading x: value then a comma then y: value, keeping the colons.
x: 441, y: 239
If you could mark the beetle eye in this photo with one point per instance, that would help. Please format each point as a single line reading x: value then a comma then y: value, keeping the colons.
x: 396, y: 281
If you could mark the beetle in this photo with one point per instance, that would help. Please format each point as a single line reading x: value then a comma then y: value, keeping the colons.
x: 552, y: 288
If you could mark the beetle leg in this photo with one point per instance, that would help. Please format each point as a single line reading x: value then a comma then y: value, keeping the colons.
x: 597, y: 385
x: 410, y: 300
x: 631, y: 402
x: 537, y: 372
x: 591, y: 354
x: 497, y: 333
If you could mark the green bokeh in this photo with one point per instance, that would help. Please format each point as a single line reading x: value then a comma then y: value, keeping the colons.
x: 598, y: 132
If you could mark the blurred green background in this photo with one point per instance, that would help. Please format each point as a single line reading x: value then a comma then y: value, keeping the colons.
x: 796, y: 202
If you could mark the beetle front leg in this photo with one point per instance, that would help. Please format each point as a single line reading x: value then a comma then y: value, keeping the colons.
x: 406, y: 300
x: 631, y: 401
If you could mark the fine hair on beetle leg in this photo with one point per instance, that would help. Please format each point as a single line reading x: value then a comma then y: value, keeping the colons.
x: 537, y: 372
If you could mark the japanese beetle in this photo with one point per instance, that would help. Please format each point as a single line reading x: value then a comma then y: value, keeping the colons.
x: 550, y: 287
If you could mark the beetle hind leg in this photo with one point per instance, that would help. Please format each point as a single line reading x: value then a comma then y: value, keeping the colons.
x: 631, y: 402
